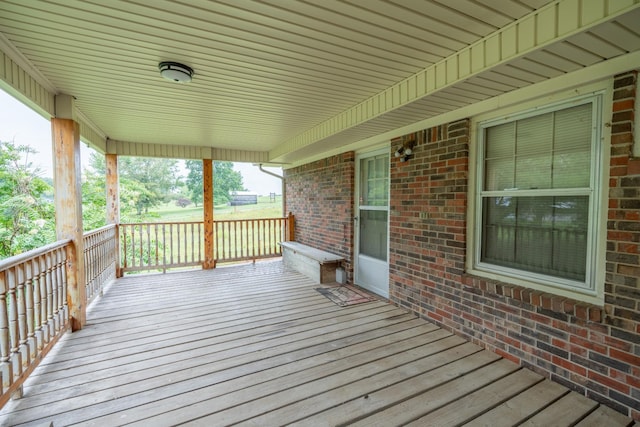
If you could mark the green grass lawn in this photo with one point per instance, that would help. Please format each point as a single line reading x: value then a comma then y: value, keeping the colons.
x: 265, y: 208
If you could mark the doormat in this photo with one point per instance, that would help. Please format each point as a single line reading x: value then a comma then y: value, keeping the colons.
x: 345, y: 295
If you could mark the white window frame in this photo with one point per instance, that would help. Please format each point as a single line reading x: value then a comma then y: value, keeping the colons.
x: 591, y: 289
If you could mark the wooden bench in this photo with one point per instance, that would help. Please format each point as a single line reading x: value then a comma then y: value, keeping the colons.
x: 314, y: 263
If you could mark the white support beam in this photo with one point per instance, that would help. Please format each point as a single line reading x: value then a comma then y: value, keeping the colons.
x: 123, y: 148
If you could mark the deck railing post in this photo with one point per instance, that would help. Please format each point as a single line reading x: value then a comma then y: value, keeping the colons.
x: 207, y: 202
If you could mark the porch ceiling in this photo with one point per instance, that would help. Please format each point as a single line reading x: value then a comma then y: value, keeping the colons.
x: 285, y: 81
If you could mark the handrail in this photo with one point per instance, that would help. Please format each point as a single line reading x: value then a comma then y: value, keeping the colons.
x: 159, y: 246
x: 100, y: 259
x: 248, y: 239
x: 33, y: 310
x: 26, y: 256
x: 33, y: 285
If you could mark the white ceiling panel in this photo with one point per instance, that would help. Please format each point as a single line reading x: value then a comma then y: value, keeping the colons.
x: 267, y: 71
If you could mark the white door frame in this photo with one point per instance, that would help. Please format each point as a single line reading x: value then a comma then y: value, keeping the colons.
x: 369, y: 272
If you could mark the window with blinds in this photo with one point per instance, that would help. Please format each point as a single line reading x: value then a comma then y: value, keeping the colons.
x: 536, y: 195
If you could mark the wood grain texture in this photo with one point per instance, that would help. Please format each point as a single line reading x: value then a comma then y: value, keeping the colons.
x: 256, y: 345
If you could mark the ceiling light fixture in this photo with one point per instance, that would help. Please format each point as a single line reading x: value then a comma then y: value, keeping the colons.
x: 175, y: 72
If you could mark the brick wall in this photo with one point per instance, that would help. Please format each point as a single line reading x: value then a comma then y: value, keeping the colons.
x: 592, y: 350
x: 320, y: 195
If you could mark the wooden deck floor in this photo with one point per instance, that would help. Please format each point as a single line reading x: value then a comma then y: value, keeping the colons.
x: 257, y: 345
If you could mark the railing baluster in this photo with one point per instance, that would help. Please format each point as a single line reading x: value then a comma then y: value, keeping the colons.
x: 30, y: 307
x: 186, y: 242
x: 217, y: 233
x: 53, y: 292
x: 43, y: 298
x: 235, y: 239
x: 5, y: 347
x: 164, y: 244
x: 223, y: 236
x: 50, y: 285
x: 37, y: 301
x: 245, y: 239
x: 175, y: 248
x: 175, y: 243
x: 29, y: 313
x: 134, y: 249
x: 13, y: 320
x: 22, y: 305
x: 123, y: 246
x: 193, y: 248
x: 140, y: 245
x: 156, y: 244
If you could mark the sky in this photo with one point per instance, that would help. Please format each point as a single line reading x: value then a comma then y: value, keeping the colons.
x: 23, y: 126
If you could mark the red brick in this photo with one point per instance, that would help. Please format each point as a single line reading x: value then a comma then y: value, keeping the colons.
x: 576, y: 369
x: 625, y: 357
x: 607, y: 381
x: 633, y: 168
x: 591, y: 345
x: 625, y: 104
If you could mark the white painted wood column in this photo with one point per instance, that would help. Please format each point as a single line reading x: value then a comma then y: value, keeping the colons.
x: 68, y: 203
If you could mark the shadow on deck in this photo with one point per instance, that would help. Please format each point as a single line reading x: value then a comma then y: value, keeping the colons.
x: 257, y: 345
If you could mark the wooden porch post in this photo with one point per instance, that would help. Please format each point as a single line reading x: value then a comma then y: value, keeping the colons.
x: 68, y: 203
x: 113, y: 202
x: 207, y: 201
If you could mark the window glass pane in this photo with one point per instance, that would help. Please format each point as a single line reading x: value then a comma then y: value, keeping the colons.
x: 501, y: 139
x: 373, y: 234
x: 546, y: 235
x: 571, y: 169
x: 533, y: 171
x: 572, y: 147
x: 375, y: 182
x: 573, y: 128
x: 499, y: 174
x: 534, y: 135
x: 534, y: 142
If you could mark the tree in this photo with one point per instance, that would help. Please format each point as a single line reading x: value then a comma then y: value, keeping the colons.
x: 225, y: 181
x: 194, y: 180
x: 144, y: 182
x: 27, y: 217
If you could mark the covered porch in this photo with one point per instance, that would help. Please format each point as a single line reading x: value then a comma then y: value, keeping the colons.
x: 256, y: 344
x: 313, y: 87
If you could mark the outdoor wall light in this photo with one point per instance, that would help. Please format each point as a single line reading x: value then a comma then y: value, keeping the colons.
x: 406, y: 150
x: 175, y: 72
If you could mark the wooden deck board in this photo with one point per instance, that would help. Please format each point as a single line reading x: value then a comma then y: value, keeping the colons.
x: 522, y: 406
x: 257, y: 345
